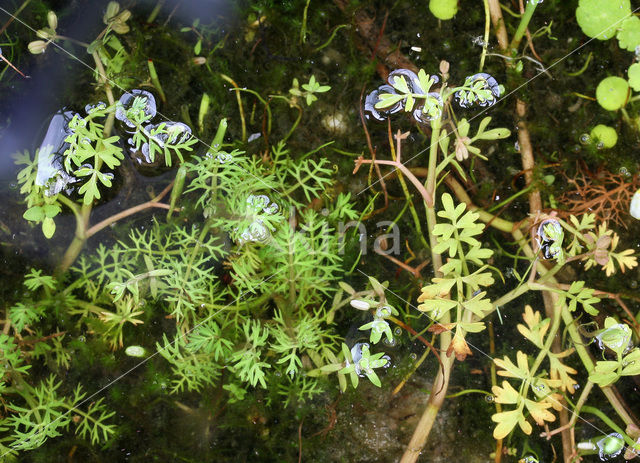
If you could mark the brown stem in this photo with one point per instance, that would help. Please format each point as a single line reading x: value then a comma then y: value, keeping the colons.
x: 419, y: 338
x: 126, y: 213
x: 398, y: 165
x: 45, y: 338
x: 413, y: 271
x: 526, y: 153
x: 498, y: 22
x: 373, y: 43
x: 428, y: 418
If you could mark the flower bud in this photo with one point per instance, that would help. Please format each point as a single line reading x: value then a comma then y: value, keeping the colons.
x: 37, y: 46
x: 120, y: 27
x: 52, y: 20
x: 112, y: 10
x: 46, y: 34
x: 360, y: 305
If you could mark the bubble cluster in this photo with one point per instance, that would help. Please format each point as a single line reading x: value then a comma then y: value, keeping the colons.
x: 173, y: 133
x: 616, y: 337
x: 257, y: 231
x: 373, y: 98
x: 126, y: 104
x: 403, y: 85
x: 481, y: 89
x: 550, y: 236
x: 610, y: 446
x: 99, y: 106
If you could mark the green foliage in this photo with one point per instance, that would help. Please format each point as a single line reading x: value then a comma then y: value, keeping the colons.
x: 269, y: 261
x: 443, y: 9
x: 358, y: 361
x: 601, y: 20
x: 605, y: 135
x: 47, y: 414
x: 42, y: 207
x: 456, y: 236
x: 634, y: 76
x: 615, y: 337
x: 170, y: 139
x: 629, y: 33
x: 308, y: 90
x: 612, y: 93
x: 542, y: 386
x: 91, y: 158
x: 408, y: 94
x: 88, y: 151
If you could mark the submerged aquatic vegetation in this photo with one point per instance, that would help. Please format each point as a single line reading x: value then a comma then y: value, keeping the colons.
x: 234, y: 297
x: 244, y: 273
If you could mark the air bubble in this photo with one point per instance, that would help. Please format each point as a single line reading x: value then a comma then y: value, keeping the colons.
x: 126, y: 101
x: 610, y: 446
x: 389, y: 342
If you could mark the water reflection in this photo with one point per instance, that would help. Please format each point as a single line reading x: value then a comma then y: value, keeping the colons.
x: 51, y: 172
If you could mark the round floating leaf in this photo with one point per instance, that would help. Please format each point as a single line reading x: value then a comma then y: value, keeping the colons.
x: 612, y: 93
x: 600, y: 19
x: 605, y: 135
x: 634, y: 76
x: 443, y: 9
x: 629, y: 33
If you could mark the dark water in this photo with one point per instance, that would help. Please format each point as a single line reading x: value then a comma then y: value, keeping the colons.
x: 369, y: 424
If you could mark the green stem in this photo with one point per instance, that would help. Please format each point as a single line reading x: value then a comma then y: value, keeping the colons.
x: 546, y: 275
x: 522, y: 26
x: 487, y: 28
x: 264, y: 102
x: 156, y: 81
x: 154, y: 13
x: 240, y: 106
x: 609, y: 422
x: 295, y: 124
x: 303, y: 29
x: 441, y: 383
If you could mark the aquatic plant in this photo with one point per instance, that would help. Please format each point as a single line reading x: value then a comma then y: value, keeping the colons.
x: 443, y: 9
x: 456, y: 300
x: 604, y: 134
x: 601, y: 20
x: 237, y: 289
x: 602, y: 193
x: 612, y: 93
x: 245, y: 274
